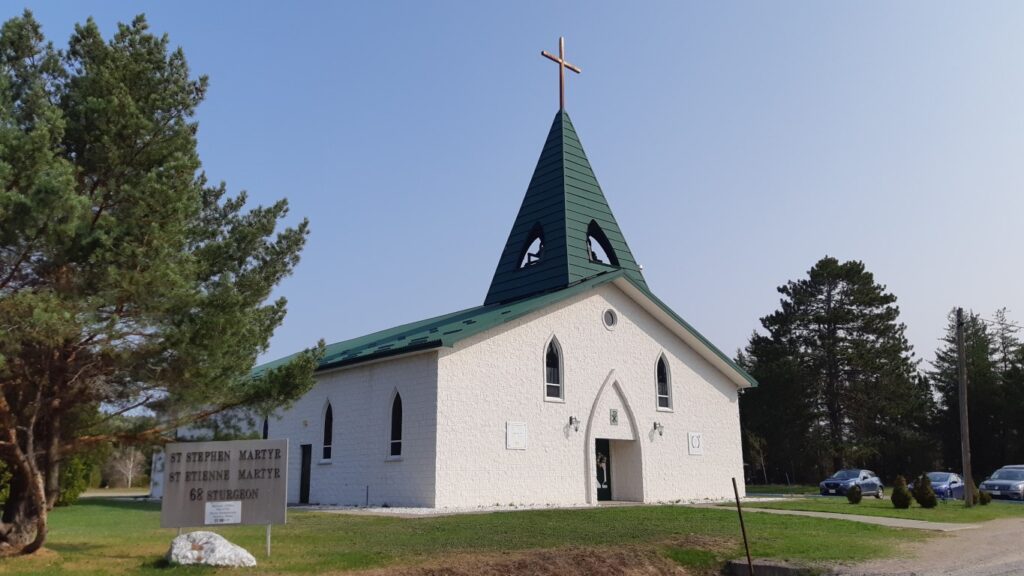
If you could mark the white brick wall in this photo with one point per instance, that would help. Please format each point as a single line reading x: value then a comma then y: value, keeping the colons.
x: 361, y: 401
x: 497, y: 376
x: 457, y: 403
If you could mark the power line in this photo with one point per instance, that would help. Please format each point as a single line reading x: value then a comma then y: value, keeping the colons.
x: 1000, y: 322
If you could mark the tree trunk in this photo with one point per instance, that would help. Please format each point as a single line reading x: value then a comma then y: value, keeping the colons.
x: 24, y: 523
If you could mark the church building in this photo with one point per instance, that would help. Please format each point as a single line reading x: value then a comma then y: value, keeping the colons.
x: 571, y: 384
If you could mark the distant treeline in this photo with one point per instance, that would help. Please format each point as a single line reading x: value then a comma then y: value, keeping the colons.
x: 839, y: 386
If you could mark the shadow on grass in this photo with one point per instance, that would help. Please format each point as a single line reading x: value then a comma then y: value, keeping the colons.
x: 114, y: 503
x: 73, y: 547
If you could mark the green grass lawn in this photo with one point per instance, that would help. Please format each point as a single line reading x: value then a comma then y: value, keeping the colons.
x: 115, y: 537
x: 755, y: 489
x: 948, y: 511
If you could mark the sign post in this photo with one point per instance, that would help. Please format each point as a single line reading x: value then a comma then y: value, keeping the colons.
x: 225, y: 483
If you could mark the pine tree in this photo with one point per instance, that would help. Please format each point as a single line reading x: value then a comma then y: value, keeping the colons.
x: 985, y: 395
x: 126, y: 280
x: 837, y: 356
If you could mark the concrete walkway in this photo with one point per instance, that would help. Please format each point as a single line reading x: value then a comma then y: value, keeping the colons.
x: 879, y: 520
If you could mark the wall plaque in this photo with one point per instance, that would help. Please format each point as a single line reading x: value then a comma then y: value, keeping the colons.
x: 515, y: 435
x: 695, y: 443
x: 613, y: 417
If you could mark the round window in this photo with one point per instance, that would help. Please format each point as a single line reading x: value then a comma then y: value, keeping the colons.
x: 610, y: 319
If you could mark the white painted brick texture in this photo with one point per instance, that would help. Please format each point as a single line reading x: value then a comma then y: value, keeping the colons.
x: 498, y: 376
x: 361, y: 401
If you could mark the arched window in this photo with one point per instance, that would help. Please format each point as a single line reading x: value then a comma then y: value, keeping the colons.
x: 396, y: 426
x: 598, y: 247
x: 664, y: 386
x: 328, y: 431
x: 533, y: 249
x: 553, y: 370
x: 266, y: 427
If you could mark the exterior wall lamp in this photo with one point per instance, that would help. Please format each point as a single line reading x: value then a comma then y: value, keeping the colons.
x: 575, y: 423
x: 659, y: 428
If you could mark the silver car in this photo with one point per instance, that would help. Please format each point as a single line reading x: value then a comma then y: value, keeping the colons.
x: 1007, y: 482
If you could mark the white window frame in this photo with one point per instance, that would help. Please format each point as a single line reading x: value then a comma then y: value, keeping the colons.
x: 561, y: 370
x: 668, y: 384
x: 389, y: 457
x: 325, y: 446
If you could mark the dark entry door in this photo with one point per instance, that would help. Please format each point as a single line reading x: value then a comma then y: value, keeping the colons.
x: 603, y: 460
x: 307, y: 461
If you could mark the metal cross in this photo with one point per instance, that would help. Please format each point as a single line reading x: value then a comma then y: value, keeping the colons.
x: 562, y: 65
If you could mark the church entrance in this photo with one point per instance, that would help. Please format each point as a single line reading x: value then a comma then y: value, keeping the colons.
x: 603, y: 461
x: 614, y: 463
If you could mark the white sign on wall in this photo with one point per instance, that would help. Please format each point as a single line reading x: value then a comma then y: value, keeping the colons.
x: 515, y: 435
x: 695, y: 443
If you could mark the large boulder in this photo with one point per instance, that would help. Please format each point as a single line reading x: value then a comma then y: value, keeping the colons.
x: 208, y: 549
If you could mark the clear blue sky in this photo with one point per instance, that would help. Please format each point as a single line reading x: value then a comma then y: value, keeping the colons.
x: 737, y: 144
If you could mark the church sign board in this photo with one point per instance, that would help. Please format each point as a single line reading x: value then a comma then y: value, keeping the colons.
x: 216, y: 483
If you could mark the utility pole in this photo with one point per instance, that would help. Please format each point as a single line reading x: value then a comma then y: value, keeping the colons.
x: 965, y: 430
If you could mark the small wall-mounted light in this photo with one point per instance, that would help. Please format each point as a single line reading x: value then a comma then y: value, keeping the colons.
x: 575, y: 423
x: 659, y: 428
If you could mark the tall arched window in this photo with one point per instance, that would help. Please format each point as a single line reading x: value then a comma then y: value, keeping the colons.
x: 266, y: 427
x: 664, y: 386
x: 396, y: 426
x: 553, y: 370
x: 328, y: 431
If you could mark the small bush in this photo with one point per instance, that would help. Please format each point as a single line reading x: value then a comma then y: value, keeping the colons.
x: 923, y: 492
x: 984, y: 498
x: 854, y: 495
x: 74, y: 479
x: 977, y: 494
x: 900, y: 495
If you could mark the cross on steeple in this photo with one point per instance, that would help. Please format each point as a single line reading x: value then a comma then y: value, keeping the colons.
x: 562, y: 65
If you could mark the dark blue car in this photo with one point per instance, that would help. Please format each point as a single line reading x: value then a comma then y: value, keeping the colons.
x: 841, y: 482
x: 946, y: 485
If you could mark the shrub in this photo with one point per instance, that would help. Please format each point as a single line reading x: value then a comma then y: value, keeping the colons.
x: 984, y: 498
x: 74, y: 479
x: 923, y: 492
x: 977, y: 494
x: 900, y: 495
x: 854, y: 495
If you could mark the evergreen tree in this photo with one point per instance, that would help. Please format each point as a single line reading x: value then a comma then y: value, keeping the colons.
x: 126, y: 280
x: 1009, y: 363
x: 995, y: 392
x: 836, y: 355
x: 983, y: 392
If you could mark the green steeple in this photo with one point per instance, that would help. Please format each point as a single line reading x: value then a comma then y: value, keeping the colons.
x: 566, y: 211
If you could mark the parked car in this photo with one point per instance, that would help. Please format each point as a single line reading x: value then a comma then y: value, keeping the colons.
x: 945, y: 485
x: 840, y: 482
x: 1007, y: 482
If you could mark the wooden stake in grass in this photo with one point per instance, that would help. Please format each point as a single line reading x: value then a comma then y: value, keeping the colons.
x: 743, y: 528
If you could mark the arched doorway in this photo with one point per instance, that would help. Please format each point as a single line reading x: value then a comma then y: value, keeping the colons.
x: 614, y: 461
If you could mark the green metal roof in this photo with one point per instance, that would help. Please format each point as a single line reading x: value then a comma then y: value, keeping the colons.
x: 445, y: 331
x: 562, y: 200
